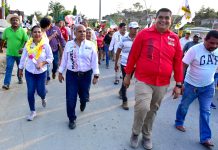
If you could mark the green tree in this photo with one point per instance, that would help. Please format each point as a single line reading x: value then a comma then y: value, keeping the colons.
x: 38, y: 15
x: 66, y: 12
x: 74, y: 11
x: 56, y: 10
x: 137, y: 6
x: 204, y: 13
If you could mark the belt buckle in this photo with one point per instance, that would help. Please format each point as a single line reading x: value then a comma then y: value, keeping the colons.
x: 80, y: 73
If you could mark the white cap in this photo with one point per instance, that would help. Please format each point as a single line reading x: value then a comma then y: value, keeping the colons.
x: 133, y: 25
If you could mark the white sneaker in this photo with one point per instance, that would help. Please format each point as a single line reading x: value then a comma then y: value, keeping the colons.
x: 31, y: 116
x: 43, y: 103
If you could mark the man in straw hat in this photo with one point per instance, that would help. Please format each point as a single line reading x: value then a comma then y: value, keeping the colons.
x: 16, y: 38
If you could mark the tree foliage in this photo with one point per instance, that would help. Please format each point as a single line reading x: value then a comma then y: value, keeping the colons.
x: 74, y: 11
x: 204, y: 13
x: 56, y: 9
x: 137, y: 6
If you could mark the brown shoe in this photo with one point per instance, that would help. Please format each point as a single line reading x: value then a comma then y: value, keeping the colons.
x: 181, y: 128
x: 147, y: 143
x: 53, y: 75
x: 134, y: 141
x: 208, y: 144
x: 125, y: 106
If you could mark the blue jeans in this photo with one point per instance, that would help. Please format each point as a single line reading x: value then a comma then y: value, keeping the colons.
x: 106, y: 49
x: 35, y: 82
x: 76, y: 84
x: 205, y: 96
x: 55, y: 65
x: 9, y: 68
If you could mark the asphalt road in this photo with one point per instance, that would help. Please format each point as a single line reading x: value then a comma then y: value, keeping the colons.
x: 102, y: 126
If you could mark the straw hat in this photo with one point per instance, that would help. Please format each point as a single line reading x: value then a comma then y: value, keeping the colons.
x: 10, y: 16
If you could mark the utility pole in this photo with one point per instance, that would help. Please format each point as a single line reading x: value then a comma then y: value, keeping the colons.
x: 100, y: 11
x: 3, y: 9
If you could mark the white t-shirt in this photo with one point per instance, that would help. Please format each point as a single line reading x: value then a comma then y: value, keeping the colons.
x: 183, y: 41
x: 125, y: 45
x: 116, y: 38
x: 202, y: 65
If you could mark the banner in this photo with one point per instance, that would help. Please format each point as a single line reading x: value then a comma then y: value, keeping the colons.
x: 187, y: 15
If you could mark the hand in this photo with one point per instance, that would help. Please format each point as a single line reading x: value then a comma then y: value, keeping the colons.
x: 176, y: 92
x: 20, y: 73
x: 94, y: 80
x: 116, y: 68
x: 60, y: 77
x: 126, y: 81
x: 20, y: 51
x: 54, y: 34
x: 39, y: 65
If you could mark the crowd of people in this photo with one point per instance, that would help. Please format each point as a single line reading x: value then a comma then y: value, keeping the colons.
x: 151, y: 55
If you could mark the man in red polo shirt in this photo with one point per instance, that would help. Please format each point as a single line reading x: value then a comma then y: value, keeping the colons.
x: 155, y: 53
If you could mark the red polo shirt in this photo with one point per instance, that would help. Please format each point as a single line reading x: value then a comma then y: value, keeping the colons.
x: 155, y: 55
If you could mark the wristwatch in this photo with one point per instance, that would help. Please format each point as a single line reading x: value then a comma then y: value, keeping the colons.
x: 179, y: 85
x: 96, y: 76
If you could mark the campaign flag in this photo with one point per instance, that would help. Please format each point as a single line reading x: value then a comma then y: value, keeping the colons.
x: 187, y: 15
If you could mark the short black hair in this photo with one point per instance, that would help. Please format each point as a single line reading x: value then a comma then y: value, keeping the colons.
x: 212, y: 33
x: 36, y: 26
x: 45, y: 22
x: 122, y: 25
x: 163, y: 10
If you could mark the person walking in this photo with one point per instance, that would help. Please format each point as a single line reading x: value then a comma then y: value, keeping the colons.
x: 56, y: 42
x: 16, y: 37
x: 124, y: 50
x: 38, y: 54
x: 185, y: 39
x: 195, y: 41
x: 155, y: 53
x: 80, y: 58
x: 107, y: 41
x: 202, y: 62
x: 114, y: 45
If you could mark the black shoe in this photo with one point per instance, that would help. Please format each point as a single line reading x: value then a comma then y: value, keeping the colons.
x: 72, y: 125
x: 213, y: 106
x: 6, y: 87
x: 20, y: 81
x: 82, y: 106
x: 116, y: 82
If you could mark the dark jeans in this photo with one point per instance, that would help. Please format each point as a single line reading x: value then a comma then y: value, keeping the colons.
x: 9, y: 68
x: 123, y: 88
x: 77, y: 83
x: 35, y: 82
x: 55, y: 65
x: 106, y: 49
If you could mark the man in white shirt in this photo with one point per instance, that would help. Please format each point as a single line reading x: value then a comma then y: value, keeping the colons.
x: 202, y: 62
x: 81, y: 60
x: 124, y: 49
x: 116, y: 38
x: 185, y: 39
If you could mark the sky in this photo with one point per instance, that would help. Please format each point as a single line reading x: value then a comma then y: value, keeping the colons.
x: 90, y: 8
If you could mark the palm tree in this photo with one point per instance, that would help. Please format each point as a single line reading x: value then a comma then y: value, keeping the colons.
x: 56, y: 9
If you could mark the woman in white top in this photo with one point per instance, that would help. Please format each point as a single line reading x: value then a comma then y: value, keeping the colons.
x: 37, y: 54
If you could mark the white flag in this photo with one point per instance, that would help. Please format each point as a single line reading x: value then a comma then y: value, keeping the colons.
x: 188, y: 15
x: 34, y: 21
